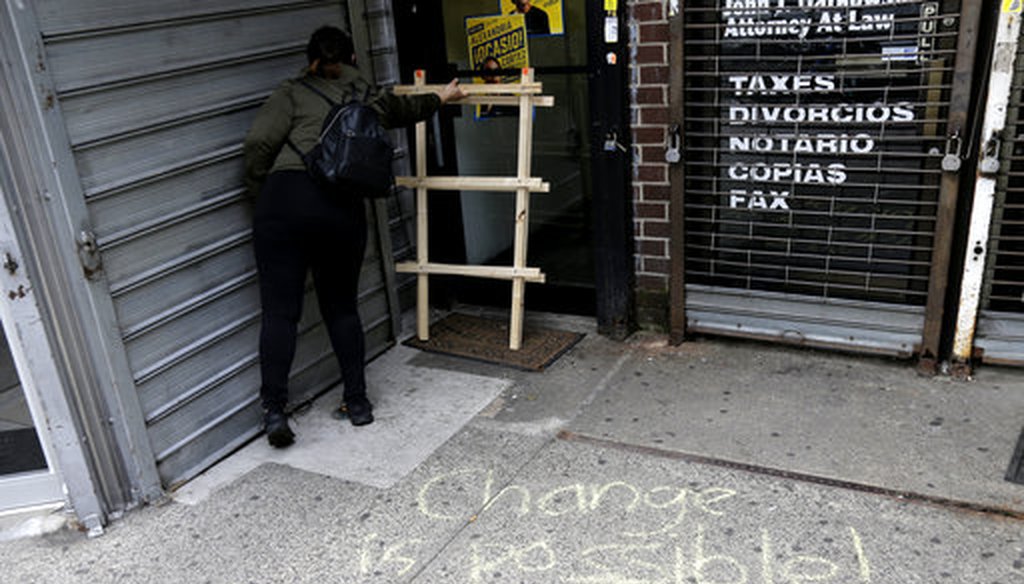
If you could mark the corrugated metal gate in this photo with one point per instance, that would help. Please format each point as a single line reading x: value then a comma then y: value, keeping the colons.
x: 156, y: 98
x: 813, y: 133
x: 381, y: 60
x: 1000, y: 330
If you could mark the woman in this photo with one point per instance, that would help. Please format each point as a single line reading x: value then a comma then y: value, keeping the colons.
x: 299, y: 226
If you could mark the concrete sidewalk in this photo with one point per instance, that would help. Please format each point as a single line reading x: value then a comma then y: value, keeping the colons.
x: 716, y: 462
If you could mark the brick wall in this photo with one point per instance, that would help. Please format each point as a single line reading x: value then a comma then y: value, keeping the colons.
x: 649, y: 89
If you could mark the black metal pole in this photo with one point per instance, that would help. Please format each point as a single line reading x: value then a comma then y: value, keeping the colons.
x: 611, y: 153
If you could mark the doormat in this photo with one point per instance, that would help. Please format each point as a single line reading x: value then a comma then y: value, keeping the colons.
x: 486, y: 340
x: 20, y: 451
x: 1015, y: 474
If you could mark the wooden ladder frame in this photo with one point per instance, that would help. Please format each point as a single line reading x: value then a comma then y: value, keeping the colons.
x: 526, y: 94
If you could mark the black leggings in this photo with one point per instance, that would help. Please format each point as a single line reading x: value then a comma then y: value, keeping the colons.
x: 299, y: 227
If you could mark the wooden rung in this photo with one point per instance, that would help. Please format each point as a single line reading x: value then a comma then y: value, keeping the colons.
x: 500, y: 272
x: 473, y: 89
x: 512, y: 100
x: 473, y: 183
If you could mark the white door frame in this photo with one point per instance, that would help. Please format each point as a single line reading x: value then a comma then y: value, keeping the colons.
x: 33, y: 359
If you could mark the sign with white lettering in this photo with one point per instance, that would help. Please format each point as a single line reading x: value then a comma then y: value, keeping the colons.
x: 810, y: 118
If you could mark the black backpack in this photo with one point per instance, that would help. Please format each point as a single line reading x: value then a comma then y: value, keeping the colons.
x: 353, y: 153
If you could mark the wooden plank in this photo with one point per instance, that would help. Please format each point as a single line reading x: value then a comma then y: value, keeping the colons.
x: 497, y: 272
x: 514, y: 89
x: 510, y: 100
x: 522, y: 227
x: 422, y: 257
x: 473, y: 183
x: 523, y: 94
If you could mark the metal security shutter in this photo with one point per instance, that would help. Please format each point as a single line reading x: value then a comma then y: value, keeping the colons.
x: 813, y: 136
x: 157, y: 98
x: 1000, y: 330
x: 380, y: 61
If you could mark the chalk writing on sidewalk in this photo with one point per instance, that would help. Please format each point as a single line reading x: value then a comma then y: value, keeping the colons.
x: 377, y: 556
x: 689, y: 536
x: 663, y: 506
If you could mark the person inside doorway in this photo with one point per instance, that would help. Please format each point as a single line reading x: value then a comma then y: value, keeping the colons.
x: 536, y: 18
x: 301, y: 226
x: 491, y: 64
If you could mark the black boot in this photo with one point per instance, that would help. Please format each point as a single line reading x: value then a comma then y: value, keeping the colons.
x: 275, y: 423
x: 359, y: 409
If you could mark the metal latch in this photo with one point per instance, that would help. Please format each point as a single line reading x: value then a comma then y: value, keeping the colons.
x: 10, y: 264
x: 951, y: 161
x: 672, y: 154
x: 990, y: 156
x: 89, y: 253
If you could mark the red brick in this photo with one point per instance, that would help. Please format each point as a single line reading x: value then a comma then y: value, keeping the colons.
x: 652, y: 153
x: 656, y: 229
x: 654, y: 33
x: 651, y: 55
x: 652, y: 247
x: 656, y: 265
x: 654, y: 74
x: 652, y: 283
x: 649, y: 11
x: 652, y: 173
x: 651, y: 95
x: 657, y: 193
x: 655, y: 115
x: 649, y: 135
x: 652, y: 211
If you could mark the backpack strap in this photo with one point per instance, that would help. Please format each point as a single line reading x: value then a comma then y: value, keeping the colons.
x: 365, y: 99
x: 331, y: 102
x: 318, y: 92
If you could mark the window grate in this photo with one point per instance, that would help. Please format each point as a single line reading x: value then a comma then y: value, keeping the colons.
x: 814, y: 136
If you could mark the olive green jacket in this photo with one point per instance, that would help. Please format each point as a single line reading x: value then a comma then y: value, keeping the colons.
x: 295, y: 111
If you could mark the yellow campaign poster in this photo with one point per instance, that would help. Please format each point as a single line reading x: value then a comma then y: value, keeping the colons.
x: 497, y: 38
x: 496, y: 42
x: 542, y: 16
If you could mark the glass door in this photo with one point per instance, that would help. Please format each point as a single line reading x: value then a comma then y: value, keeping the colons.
x: 25, y: 477
x: 459, y: 38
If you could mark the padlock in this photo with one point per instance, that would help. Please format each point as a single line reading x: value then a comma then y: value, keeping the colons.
x: 951, y: 161
x: 611, y: 142
x: 990, y: 156
x: 989, y: 165
x: 672, y: 154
